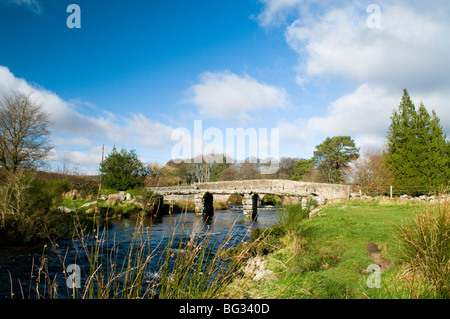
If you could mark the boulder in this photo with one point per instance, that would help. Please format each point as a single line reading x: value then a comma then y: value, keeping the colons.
x: 64, y: 209
x: 89, y: 204
x: 315, y: 211
x: 256, y: 269
x: 128, y: 196
x: 115, y: 199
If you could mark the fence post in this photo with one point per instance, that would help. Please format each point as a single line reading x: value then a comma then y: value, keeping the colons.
x: 391, y: 192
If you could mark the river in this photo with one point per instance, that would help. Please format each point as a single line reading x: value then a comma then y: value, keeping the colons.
x: 19, y: 265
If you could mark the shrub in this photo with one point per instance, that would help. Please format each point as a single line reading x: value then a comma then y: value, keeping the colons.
x: 122, y: 170
x: 24, y: 202
x: 57, y: 188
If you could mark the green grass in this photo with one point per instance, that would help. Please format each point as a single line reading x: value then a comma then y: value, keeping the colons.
x: 327, y: 257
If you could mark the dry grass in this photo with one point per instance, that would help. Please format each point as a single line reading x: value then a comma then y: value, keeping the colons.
x: 191, y: 267
x: 426, y: 246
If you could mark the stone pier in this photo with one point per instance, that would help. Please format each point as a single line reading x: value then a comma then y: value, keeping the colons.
x: 204, y: 204
x: 250, y: 205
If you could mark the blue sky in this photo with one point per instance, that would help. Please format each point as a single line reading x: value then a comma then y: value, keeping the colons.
x: 137, y: 70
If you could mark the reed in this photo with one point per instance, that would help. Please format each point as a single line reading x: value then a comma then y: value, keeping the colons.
x: 186, y: 265
x: 425, y: 244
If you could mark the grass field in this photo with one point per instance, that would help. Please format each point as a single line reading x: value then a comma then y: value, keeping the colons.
x: 327, y: 256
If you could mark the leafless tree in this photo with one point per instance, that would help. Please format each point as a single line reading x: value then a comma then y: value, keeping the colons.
x: 24, y: 132
x: 370, y: 172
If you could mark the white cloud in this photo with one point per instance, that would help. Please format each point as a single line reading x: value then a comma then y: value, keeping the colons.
x: 275, y: 11
x: 408, y: 50
x: 32, y: 5
x: 333, y: 41
x: 365, y: 110
x: 225, y: 95
x: 147, y: 132
x: 68, y: 142
x: 363, y: 114
x: 75, y: 161
x: 76, y: 133
x: 66, y: 119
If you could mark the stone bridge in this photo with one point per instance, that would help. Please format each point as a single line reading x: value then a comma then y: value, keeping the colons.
x: 252, y: 191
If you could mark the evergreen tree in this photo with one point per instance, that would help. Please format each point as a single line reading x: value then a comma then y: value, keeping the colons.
x: 417, y: 148
x: 217, y: 169
x: 122, y: 170
x: 302, y: 167
x: 333, y: 155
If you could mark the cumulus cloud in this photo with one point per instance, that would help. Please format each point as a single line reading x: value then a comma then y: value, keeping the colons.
x: 408, y: 50
x: 76, y: 133
x: 66, y: 119
x: 147, y: 132
x: 334, y: 42
x: 225, y: 95
x: 275, y: 11
x: 364, y: 112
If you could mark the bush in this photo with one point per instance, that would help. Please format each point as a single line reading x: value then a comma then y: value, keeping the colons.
x: 85, y: 188
x: 122, y: 170
x: 57, y: 188
x: 25, y: 202
x: 27, y: 206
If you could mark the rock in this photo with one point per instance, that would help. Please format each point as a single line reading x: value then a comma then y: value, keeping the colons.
x: 115, y: 199
x: 256, y: 269
x: 89, y: 204
x: 64, y: 209
x: 265, y: 274
x: 128, y: 196
x: 315, y: 211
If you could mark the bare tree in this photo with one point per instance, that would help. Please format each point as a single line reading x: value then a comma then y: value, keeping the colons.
x: 24, y: 133
x: 370, y: 172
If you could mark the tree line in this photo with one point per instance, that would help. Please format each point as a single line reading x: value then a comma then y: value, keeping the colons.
x: 417, y: 154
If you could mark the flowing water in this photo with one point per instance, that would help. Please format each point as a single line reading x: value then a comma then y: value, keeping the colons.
x: 19, y: 266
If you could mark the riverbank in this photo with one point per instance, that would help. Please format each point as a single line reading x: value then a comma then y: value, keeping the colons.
x: 176, y: 256
x: 330, y: 255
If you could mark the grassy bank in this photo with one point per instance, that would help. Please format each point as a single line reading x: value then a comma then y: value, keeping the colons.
x: 328, y: 256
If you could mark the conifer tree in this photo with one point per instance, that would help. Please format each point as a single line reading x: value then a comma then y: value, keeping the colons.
x: 334, y: 155
x: 418, y: 153
x: 122, y: 170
